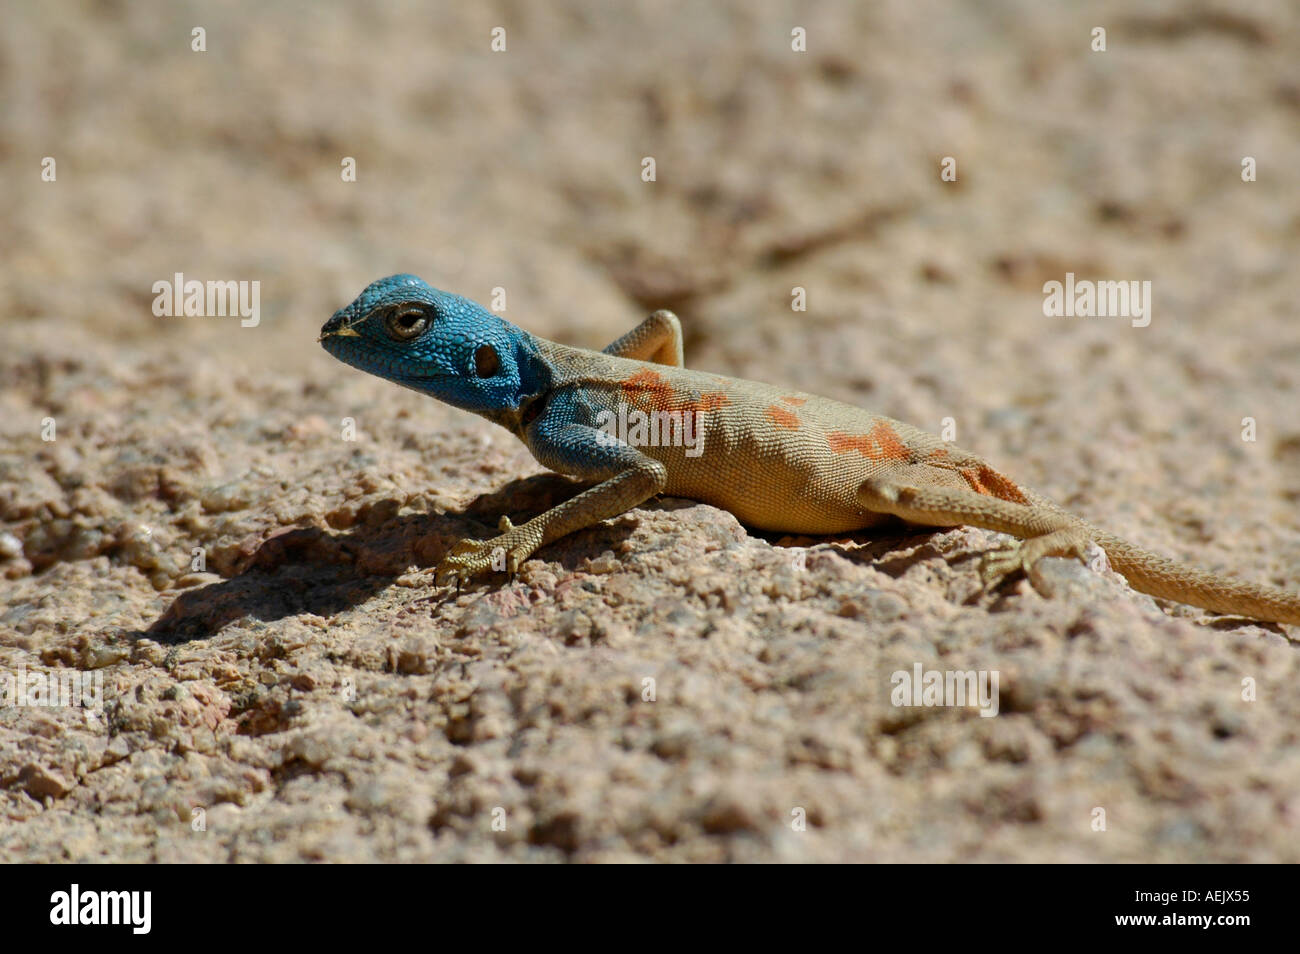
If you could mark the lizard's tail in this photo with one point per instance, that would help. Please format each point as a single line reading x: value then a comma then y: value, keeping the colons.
x: 1168, y: 579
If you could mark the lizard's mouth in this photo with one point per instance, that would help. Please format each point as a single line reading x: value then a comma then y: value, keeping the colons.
x: 344, y: 342
x: 419, y: 382
x: 376, y: 362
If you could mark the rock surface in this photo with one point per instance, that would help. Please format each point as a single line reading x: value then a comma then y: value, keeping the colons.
x: 666, y: 686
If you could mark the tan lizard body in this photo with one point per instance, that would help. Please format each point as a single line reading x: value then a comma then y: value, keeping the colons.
x: 778, y: 459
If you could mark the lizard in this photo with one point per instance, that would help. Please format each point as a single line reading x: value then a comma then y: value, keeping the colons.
x: 780, y: 460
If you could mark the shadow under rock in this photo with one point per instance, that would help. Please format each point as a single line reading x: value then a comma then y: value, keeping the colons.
x: 310, y: 570
x: 876, y: 547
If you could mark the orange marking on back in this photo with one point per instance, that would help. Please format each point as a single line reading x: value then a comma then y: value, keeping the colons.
x: 987, y: 481
x: 890, y: 444
x: 796, y: 401
x: 649, y: 389
x: 783, y: 418
x: 841, y: 443
x: 880, y: 443
x: 643, y: 382
x: 707, y: 402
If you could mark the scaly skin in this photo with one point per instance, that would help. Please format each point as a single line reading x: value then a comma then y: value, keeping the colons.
x: 778, y: 459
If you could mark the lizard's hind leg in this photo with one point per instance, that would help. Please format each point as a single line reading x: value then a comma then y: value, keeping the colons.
x: 657, y: 339
x: 1043, y: 532
x: 1046, y: 531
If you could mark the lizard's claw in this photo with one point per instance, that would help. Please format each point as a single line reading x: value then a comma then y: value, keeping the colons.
x: 467, y: 559
x: 997, y: 565
x: 505, y: 553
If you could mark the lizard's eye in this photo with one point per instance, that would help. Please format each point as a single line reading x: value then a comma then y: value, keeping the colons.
x: 405, y: 325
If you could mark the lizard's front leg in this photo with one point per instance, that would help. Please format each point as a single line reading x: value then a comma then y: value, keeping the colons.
x: 628, y: 477
x: 1044, y: 532
x: 657, y: 339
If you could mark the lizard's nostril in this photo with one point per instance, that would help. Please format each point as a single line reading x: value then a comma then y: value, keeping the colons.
x: 337, y: 325
x: 331, y: 326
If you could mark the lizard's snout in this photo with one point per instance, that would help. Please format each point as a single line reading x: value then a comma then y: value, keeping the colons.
x: 337, y: 325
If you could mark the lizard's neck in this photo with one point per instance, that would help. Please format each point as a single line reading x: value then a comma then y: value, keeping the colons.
x: 536, y: 377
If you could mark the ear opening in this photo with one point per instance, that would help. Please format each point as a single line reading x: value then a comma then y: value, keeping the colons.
x: 486, y: 361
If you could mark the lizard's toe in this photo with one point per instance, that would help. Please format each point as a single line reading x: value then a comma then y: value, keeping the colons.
x: 467, y: 559
x: 997, y: 566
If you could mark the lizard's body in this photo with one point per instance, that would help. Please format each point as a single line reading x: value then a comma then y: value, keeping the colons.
x: 779, y: 476
x: 778, y: 459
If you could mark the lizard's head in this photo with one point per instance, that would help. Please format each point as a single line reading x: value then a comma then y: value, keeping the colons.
x: 437, y: 343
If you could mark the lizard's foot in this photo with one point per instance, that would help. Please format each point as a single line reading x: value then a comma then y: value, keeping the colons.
x: 999, y: 564
x: 505, y: 553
